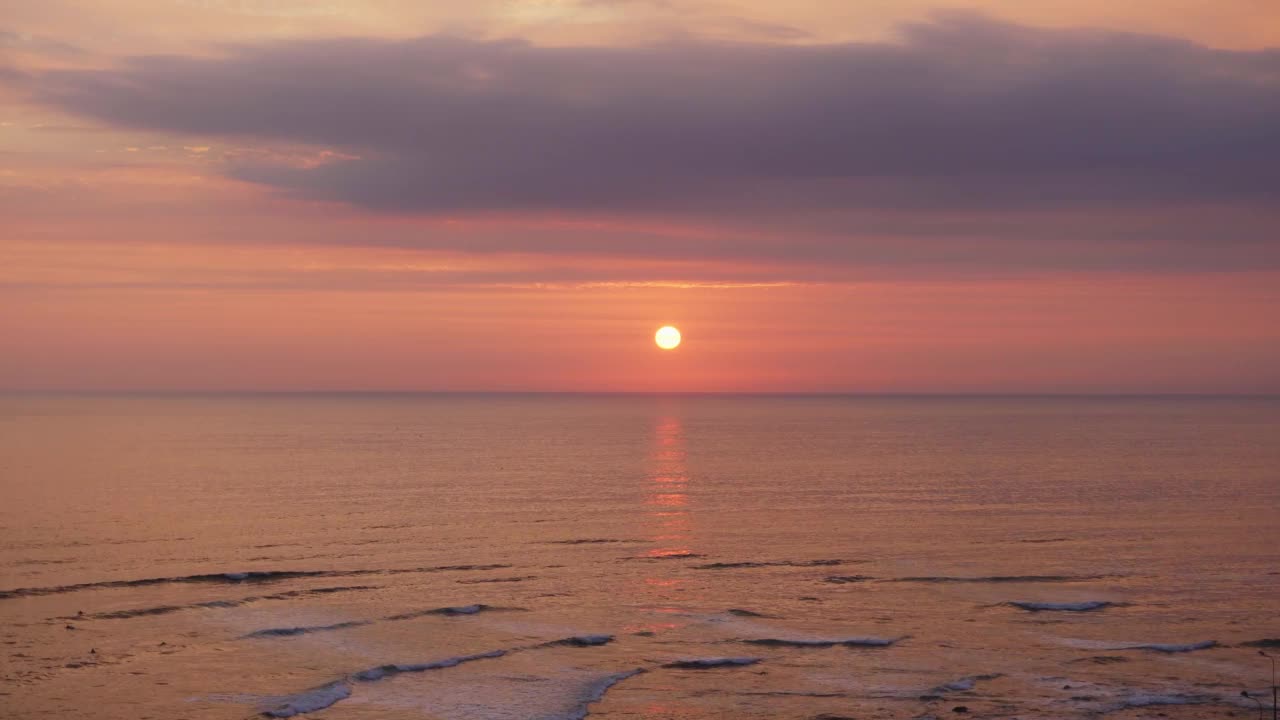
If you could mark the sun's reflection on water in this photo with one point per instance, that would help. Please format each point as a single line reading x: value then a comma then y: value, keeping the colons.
x: 667, y: 498
x: 668, y: 522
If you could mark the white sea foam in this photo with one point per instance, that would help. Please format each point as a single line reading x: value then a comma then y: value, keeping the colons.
x: 1171, y: 647
x: 305, y: 629
x: 326, y: 695
x: 311, y: 700
x: 961, y: 685
x: 377, y: 673
x: 595, y: 692
x: 543, y: 689
x: 1100, y: 698
x: 1135, y: 645
x: 450, y: 662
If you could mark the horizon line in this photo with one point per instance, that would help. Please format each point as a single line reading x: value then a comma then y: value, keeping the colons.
x: 645, y: 393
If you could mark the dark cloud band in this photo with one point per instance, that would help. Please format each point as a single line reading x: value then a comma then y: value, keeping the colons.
x: 962, y: 115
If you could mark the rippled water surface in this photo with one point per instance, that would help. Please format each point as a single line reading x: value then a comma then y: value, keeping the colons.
x: 469, y: 557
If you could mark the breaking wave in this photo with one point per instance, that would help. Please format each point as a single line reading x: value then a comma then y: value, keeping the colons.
x: 291, y: 631
x: 964, y: 684
x: 236, y: 577
x: 666, y: 556
x: 580, y: 641
x: 383, y: 671
x: 1171, y: 647
x: 776, y: 563
x: 710, y: 663
x: 749, y: 613
x: 256, y: 576
x: 1085, y: 606
x: 310, y: 700
x: 592, y: 541
x: 823, y: 642
x: 595, y: 692
x: 331, y: 693
x: 1001, y: 579
x: 451, y: 610
x: 304, y: 630
x: 216, y: 604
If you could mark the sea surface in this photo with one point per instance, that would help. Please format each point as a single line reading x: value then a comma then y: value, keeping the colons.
x: 550, y: 557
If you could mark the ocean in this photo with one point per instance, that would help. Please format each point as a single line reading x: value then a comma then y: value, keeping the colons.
x: 553, y: 557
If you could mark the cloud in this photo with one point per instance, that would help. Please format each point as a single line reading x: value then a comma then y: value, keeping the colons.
x: 962, y: 117
x: 37, y: 44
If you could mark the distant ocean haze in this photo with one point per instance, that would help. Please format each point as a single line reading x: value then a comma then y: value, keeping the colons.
x: 630, y: 556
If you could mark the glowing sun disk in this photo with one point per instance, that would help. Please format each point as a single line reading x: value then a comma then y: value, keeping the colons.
x: 667, y: 337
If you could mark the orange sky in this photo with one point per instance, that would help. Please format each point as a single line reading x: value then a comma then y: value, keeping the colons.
x: 133, y: 257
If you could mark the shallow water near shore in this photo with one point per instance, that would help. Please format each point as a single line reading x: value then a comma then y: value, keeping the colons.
x: 558, y: 556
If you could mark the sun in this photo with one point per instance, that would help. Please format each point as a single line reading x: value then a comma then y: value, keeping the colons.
x: 667, y: 337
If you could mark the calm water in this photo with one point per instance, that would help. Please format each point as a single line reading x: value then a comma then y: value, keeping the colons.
x: 878, y: 558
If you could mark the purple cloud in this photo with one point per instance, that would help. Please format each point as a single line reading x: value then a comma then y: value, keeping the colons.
x: 962, y: 116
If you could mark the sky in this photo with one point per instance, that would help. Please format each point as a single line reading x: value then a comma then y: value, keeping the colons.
x: 890, y: 196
